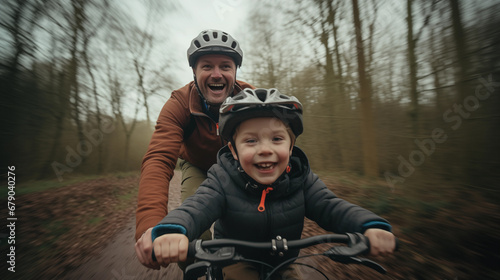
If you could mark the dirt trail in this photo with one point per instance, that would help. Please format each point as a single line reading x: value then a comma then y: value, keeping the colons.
x: 118, y: 260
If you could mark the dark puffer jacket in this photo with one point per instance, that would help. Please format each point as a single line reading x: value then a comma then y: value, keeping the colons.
x: 226, y: 198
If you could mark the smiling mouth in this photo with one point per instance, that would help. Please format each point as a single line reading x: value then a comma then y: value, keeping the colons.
x: 216, y: 87
x: 265, y: 166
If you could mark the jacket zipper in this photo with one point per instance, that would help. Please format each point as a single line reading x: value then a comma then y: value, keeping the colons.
x: 218, y: 134
x: 262, y: 205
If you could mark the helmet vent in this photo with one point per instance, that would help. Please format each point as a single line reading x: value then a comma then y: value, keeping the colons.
x: 215, y: 35
x: 224, y: 38
x: 197, y: 44
x: 233, y: 45
x: 261, y: 94
x: 206, y: 38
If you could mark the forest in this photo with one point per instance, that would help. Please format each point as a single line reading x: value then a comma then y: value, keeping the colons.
x: 405, y: 93
x: 397, y: 90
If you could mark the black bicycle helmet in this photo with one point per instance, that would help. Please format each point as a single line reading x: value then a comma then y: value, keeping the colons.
x: 214, y: 42
x: 252, y: 103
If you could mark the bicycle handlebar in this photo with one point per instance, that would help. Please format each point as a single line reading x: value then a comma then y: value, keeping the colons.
x: 196, y: 247
x: 357, y: 244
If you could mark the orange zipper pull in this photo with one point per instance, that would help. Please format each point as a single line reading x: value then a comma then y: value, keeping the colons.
x: 261, y: 207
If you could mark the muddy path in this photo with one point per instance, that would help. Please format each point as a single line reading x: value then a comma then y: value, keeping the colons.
x: 117, y: 260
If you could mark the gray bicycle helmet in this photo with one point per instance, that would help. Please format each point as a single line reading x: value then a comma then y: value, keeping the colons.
x: 214, y: 42
x: 252, y: 103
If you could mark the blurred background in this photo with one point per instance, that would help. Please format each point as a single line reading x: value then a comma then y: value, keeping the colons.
x: 401, y: 98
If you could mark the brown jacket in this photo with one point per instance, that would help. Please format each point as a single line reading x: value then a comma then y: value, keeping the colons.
x: 167, y: 144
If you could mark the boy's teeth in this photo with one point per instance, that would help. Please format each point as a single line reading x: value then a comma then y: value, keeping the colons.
x: 265, y: 165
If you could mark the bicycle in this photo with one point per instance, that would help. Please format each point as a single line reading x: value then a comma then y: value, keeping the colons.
x: 212, y: 255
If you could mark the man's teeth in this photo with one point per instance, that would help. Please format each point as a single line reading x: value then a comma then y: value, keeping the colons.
x: 216, y: 86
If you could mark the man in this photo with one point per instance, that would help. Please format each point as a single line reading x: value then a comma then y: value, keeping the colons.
x: 186, y: 131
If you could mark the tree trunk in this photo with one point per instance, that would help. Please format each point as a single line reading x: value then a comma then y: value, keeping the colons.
x: 467, y: 169
x: 61, y: 112
x: 461, y: 49
x: 100, y: 159
x: 369, y: 145
x: 76, y: 27
x: 412, y: 63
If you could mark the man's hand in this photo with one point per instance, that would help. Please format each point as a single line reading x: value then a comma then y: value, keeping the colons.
x: 171, y: 248
x: 144, y: 250
x: 382, y: 242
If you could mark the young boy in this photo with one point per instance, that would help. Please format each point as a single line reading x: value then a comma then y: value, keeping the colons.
x: 262, y: 187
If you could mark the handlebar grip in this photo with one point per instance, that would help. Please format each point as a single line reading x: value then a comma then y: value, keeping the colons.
x: 192, y: 248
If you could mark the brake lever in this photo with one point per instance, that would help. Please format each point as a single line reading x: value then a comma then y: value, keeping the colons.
x: 219, y: 255
x: 366, y: 262
x: 373, y: 265
x: 196, y: 270
x: 357, y: 245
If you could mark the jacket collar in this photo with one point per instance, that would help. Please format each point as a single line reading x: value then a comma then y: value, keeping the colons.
x: 195, y: 105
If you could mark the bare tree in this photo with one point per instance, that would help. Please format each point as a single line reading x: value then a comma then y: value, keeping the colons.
x: 461, y: 49
x: 88, y: 35
x: 318, y: 21
x: 412, y: 63
x: 141, y: 43
x: 117, y: 96
x: 369, y: 145
x: 147, y: 75
x: 267, y: 58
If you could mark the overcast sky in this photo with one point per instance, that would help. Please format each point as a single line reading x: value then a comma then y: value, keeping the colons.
x: 198, y: 15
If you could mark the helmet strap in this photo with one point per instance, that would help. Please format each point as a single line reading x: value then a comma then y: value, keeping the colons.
x: 205, y: 104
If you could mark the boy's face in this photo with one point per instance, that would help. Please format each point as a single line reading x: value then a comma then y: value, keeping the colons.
x: 264, y: 148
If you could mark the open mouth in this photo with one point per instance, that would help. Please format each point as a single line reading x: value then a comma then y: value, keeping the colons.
x: 216, y: 87
x: 265, y: 166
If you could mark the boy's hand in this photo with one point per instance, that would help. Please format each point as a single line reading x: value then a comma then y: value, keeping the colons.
x: 382, y: 242
x: 170, y: 248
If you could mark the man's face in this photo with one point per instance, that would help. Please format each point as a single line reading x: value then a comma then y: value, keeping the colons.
x: 264, y: 148
x: 216, y: 75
